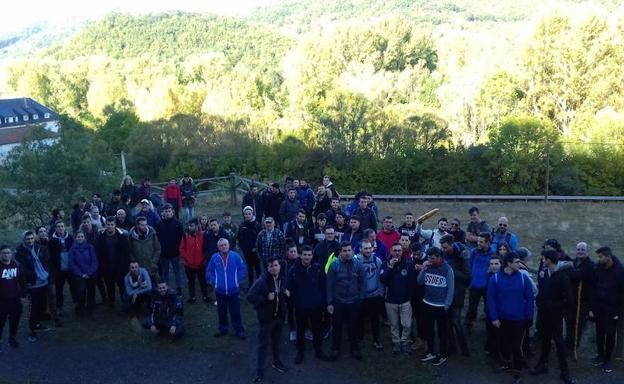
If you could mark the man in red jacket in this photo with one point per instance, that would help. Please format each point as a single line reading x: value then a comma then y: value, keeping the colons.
x: 388, y: 235
x: 12, y: 293
x: 173, y: 195
x: 193, y: 259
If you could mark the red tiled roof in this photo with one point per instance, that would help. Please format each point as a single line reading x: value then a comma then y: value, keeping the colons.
x: 17, y: 134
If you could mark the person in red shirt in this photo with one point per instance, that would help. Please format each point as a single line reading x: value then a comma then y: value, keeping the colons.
x: 388, y: 234
x: 173, y: 195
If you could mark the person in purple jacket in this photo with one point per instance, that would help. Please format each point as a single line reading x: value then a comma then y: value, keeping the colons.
x: 83, y: 265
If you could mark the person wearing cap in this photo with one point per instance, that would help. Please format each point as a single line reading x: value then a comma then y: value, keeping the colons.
x: 188, y: 190
x: 146, y: 209
x: 607, y: 305
x: 170, y: 232
x: 555, y: 298
x: 247, y: 235
x: 173, y: 195
x: 510, y: 306
x: 270, y: 242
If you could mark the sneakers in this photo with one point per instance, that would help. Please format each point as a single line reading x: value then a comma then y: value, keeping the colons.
x: 378, y: 346
x: 13, y: 343
x: 41, y: 328
x: 299, y: 357
x: 292, y: 336
x: 439, y: 360
x: 279, y: 366
x: 427, y: 356
x: 396, y: 348
x: 308, y: 335
x: 32, y: 337
x: 597, y: 361
x: 606, y: 367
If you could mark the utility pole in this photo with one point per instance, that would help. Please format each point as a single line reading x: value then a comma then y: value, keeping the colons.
x: 123, y: 164
x: 547, y: 148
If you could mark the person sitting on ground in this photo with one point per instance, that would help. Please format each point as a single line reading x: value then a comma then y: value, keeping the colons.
x: 166, y: 312
x: 138, y: 288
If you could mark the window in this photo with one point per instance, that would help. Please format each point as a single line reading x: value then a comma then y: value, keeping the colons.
x: 25, y: 117
x: 10, y: 119
x: 46, y: 115
x: 35, y: 116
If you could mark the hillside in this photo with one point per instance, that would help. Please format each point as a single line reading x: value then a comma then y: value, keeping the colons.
x: 25, y: 42
x: 173, y: 35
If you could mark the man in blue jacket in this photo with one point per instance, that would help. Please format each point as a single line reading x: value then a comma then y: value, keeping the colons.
x: 607, y: 305
x: 306, y: 283
x: 373, y: 301
x: 479, y: 265
x: 511, y: 305
x: 345, y: 289
x: 225, y: 271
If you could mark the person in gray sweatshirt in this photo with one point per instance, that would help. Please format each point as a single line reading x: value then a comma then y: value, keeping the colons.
x: 346, y: 285
x: 439, y: 281
x: 373, y: 301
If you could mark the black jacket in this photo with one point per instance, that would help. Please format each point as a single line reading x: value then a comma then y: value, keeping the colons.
x: 608, y: 292
x: 117, y: 262
x: 271, y: 203
x: 556, y: 293
x: 54, y: 247
x: 254, y: 202
x: 170, y: 233
x: 583, y: 272
x: 24, y: 257
x: 268, y: 310
x: 301, y: 236
x: 399, y: 280
x: 368, y: 219
x: 247, y: 235
x: 307, y: 286
x: 461, y: 270
x: 210, y: 242
x: 323, y: 250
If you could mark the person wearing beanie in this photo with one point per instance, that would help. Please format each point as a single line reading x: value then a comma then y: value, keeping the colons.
x: 555, y: 298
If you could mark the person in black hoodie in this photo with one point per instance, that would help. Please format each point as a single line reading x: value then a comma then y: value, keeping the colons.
x: 247, y: 235
x: 268, y: 296
x: 271, y: 201
x: 555, y: 298
x: 607, y: 305
x: 306, y: 282
x: 58, y: 246
x: 170, y: 232
x: 112, y: 250
x: 211, y: 238
x: 12, y: 293
x: 300, y: 230
x: 36, y: 265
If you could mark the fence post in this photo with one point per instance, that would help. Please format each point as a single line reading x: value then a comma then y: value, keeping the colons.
x: 232, y: 189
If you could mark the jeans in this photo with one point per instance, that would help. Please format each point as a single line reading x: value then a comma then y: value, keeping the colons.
x: 37, y: 305
x: 193, y: 274
x: 85, y: 293
x: 552, y: 330
x: 474, y: 297
x: 164, y: 268
x: 127, y: 306
x: 164, y: 328
x: 61, y: 278
x: 10, y: 309
x: 253, y: 266
x: 512, y: 333
x: 456, y: 330
x: 400, y: 318
x: 605, y: 334
x: 229, y: 303
x: 346, y: 315
x: 269, y: 332
x: 313, y: 318
x: 111, y: 281
x: 371, y: 308
x: 189, y: 213
x: 436, y: 317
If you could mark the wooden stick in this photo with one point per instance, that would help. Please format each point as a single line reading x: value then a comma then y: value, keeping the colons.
x: 578, y: 315
x: 427, y: 215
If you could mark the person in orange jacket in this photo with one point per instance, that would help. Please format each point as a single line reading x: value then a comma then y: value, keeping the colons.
x: 193, y: 259
x: 173, y: 195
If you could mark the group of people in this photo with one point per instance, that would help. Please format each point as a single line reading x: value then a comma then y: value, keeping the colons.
x: 309, y: 263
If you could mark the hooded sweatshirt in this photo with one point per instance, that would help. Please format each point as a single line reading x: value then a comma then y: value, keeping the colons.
x: 510, y: 297
x: 479, y: 265
x: 439, y: 282
x: 82, y: 259
x: 35, y: 264
x: 12, y: 281
x: 345, y: 282
x: 145, y: 249
x: 372, y: 270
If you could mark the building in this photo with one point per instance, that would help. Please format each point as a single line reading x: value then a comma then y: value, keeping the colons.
x: 18, y: 117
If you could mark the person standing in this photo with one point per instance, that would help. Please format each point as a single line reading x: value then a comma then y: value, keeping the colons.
x: 306, y: 283
x: 510, y: 305
x: 170, y: 232
x: 252, y: 200
x: 247, y: 236
x: 58, y: 248
x: 268, y: 295
x: 582, y: 279
x: 188, y: 190
x: 173, y: 196
x: 479, y: 265
x: 194, y: 261
x: 113, y: 257
x: 12, y: 294
x: 475, y: 227
x: 270, y: 242
x: 373, y: 299
x: 607, y: 305
x: 555, y: 297
x: 83, y: 264
x: 224, y: 272
x: 35, y: 266
x: 439, y: 280
x: 346, y: 285
x: 145, y: 247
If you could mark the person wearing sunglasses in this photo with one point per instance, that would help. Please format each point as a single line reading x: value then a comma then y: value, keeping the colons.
x: 503, y: 235
x: 455, y: 229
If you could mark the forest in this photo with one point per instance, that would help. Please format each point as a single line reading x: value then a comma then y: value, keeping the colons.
x: 392, y: 96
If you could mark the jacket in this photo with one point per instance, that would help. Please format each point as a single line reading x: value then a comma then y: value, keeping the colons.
x: 608, y: 292
x: 58, y: 247
x: 192, y: 250
x: 288, y: 210
x: 271, y: 204
x: 307, y: 286
x: 247, y: 236
x: 510, y: 297
x: 388, y: 238
x: 555, y: 295
x: 12, y: 281
x: 368, y: 219
x: 324, y: 249
x: 301, y: 236
x: 33, y: 276
x: 461, y: 270
x: 226, y: 276
x: 76, y: 217
x: 270, y: 246
x: 307, y: 199
x: 507, y: 237
x: 372, y: 272
x: 167, y: 310
x: 188, y: 191
x: 345, y: 282
x: 268, y: 310
x: 115, y: 263
x: 170, y: 232
x: 399, y: 281
x: 133, y: 286
x: 211, y: 239
x: 145, y: 249
x: 479, y: 266
x: 150, y: 215
x: 82, y: 260
x: 173, y: 195
x: 253, y: 201
x: 583, y: 272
